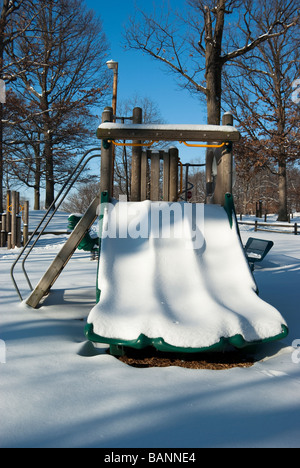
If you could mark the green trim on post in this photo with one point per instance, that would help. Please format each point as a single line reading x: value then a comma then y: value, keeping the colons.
x: 231, y: 213
x: 103, y: 200
x: 106, y: 144
x: 88, y: 243
x: 229, y: 208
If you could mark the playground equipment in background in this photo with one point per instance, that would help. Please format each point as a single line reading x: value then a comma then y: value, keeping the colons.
x: 10, y: 222
x: 188, y: 300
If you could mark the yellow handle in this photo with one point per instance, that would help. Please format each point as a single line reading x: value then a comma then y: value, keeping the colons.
x: 202, y: 146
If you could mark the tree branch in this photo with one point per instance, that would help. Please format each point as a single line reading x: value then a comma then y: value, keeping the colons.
x: 256, y: 42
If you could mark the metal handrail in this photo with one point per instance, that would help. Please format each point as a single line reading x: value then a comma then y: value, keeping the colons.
x: 193, y: 145
x: 65, y: 189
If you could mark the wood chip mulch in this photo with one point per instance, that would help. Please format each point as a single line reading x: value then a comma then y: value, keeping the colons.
x: 211, y: 361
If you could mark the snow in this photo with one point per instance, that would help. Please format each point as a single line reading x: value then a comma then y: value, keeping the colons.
x: 190, y: 295
x: 58, y: 391
x: 200, y: 128
x: 169, y: 127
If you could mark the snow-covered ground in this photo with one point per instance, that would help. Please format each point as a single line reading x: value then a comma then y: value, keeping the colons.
x: 57, y: 391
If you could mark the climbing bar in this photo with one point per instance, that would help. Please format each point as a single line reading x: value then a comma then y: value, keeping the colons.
x: 10, y: 208
x: 194, y: 145
x: 155, y: 132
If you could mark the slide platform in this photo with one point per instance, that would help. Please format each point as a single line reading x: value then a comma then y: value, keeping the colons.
x: 178, y: 282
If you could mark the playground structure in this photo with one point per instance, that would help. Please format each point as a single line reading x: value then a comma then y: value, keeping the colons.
x: 11, y: 222
x: 219, y: 153
x: 201, y: 308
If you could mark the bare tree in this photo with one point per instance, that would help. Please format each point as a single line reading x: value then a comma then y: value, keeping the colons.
x: 196, y: 47
x: 259, y: 90
x: 198, y: 190
x: 10, y: 30
x: 294, y: 190
x: 63, y: 76
x: 78, y: 202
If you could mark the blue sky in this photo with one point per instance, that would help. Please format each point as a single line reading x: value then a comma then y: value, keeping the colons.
x: 141, y: 75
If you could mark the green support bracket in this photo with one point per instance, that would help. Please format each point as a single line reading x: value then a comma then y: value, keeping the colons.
x: 103, y: 200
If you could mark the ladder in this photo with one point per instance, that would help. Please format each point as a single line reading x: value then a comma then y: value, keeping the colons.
x: 40, y: 229
x: 65, y: 254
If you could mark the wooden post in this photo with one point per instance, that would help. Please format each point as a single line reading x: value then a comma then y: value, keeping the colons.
x: 144, y: 176
x: 8, y: 209
x: 209, y: 175
x: 137, y: 118
x: 174, y: 160
x: 106, y: 157
x: 166, y: 176
x: 13, y: 219
x: 187, y: 166
x: 18, y: 231
x: 25, y: 222
x: 225, y: 168
x: 17, y: 203
x: 155, y: 175
x: 296, y: 229
x: 9, y: 246
x: 3, y: 231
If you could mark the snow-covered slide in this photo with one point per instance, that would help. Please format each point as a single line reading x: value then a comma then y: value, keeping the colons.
x: 175, y: 276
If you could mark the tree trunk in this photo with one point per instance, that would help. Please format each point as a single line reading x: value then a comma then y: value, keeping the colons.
x: 37, y: 205
x: 282, y: 191
x: 213, y: 77
x: 214, y: 90
x: 37, y: 176
x: 1, y: 116
x: 1, y: 159
x: 213, y: 96
x: 48, y: 154
x: 37, y: 195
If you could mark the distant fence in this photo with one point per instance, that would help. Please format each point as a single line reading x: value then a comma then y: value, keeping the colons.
x: 279, y: 228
